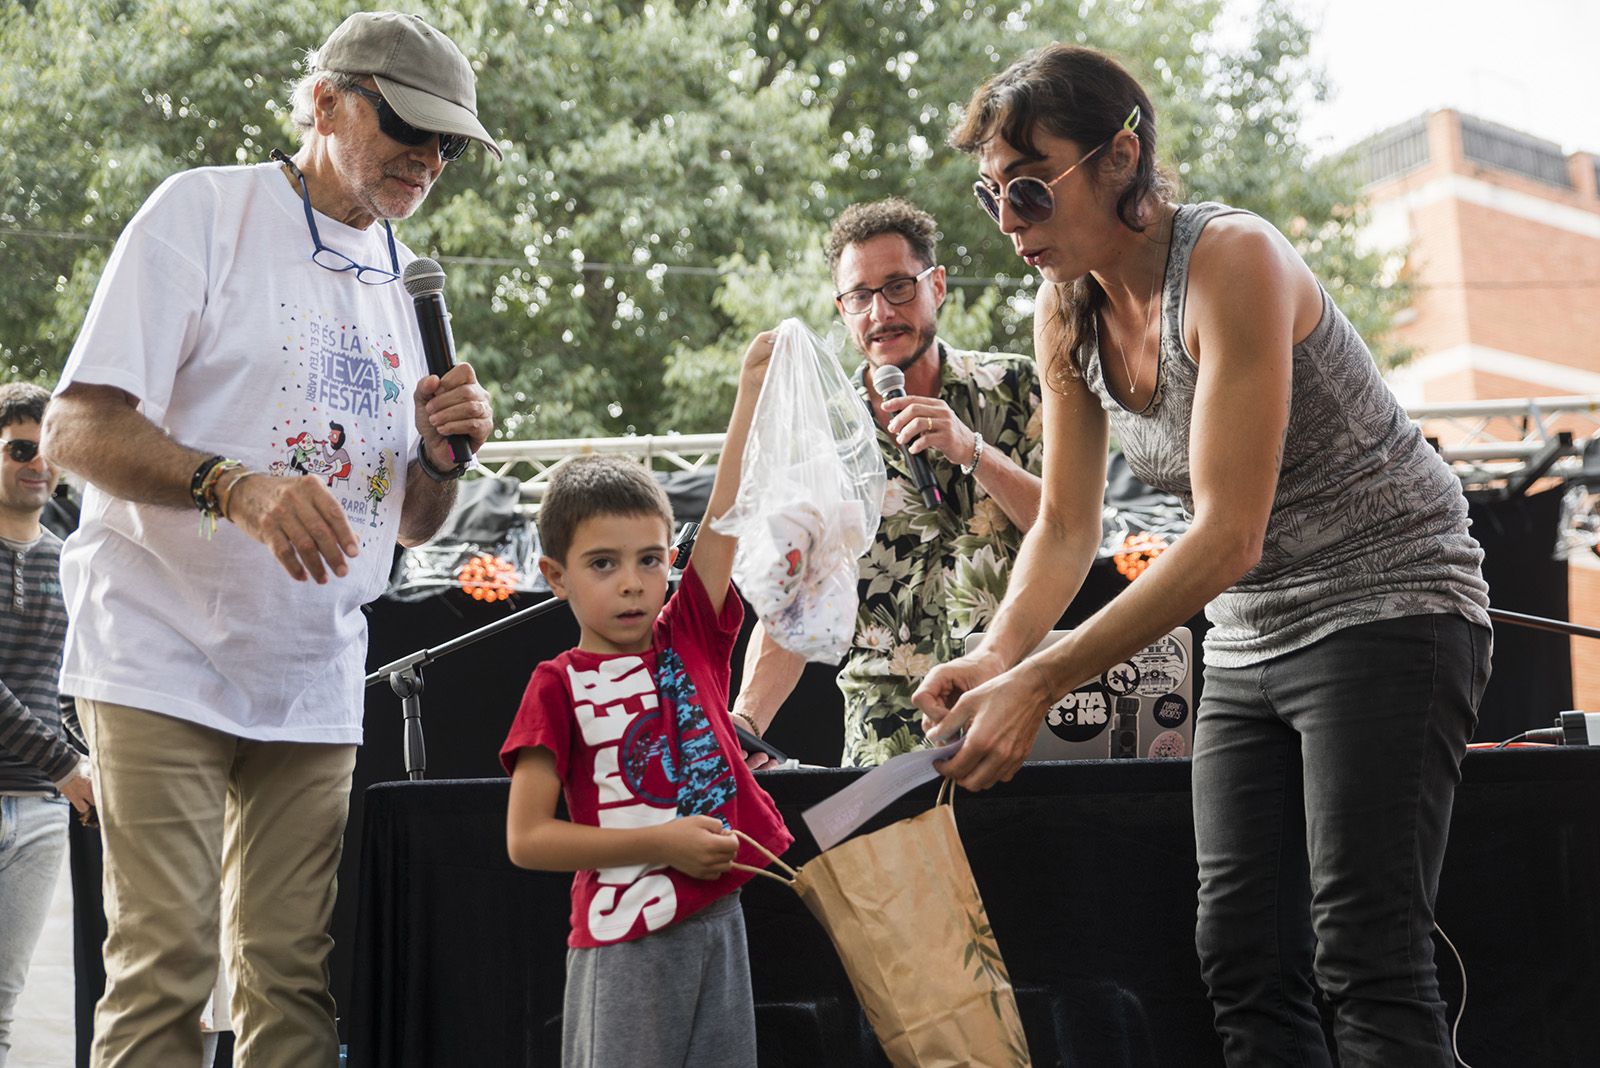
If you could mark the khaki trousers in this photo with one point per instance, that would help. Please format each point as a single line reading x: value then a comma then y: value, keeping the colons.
x: 197, y: 823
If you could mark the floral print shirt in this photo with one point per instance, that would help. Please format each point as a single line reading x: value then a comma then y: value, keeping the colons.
x: 934, y: 575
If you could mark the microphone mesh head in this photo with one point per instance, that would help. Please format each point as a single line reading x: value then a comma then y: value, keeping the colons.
x: 423, y: 276
x: 888, y: 377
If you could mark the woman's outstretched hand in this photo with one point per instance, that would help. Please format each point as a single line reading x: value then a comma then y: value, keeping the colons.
x: 1001, y: 711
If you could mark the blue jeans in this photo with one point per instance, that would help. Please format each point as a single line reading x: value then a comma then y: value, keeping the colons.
x: 33, y: 837
x: 1323, y: 783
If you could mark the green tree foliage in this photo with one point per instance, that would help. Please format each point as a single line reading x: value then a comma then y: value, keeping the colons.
x: 671, y: 167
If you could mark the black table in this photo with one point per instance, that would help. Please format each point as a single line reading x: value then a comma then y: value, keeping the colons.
x: 1088, y: 873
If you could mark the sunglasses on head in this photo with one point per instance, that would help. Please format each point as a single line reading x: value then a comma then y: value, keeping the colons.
x: 451, y: 146
x: 1030, y: 199
x: 21, y: 449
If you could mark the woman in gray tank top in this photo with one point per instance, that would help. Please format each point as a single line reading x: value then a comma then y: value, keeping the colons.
x: 1349, y: 644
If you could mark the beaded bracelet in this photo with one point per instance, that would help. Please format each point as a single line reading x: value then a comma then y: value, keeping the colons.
x: 198, y: 480
x: 203, y: 489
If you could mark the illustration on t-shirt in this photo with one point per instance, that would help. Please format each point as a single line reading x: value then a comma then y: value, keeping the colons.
x: 391, y: 376
x: 335, y: 457
x: 303, y: 456
x: 342, y: 414
x: 378, y: 484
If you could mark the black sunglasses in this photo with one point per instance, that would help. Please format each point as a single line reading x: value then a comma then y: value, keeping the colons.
x: 21, y: 449
x: 397, y: 129
x: 1030, y: 199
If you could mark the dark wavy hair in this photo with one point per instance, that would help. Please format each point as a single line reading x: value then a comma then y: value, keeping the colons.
x: 860, y: 223
x: 592, y: 486
x: 1085, y: 96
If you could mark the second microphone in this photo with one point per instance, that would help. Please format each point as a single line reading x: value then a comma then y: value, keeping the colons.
x: 890, y: 382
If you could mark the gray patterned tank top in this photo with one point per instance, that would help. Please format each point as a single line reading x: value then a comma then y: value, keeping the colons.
x: 1368, y: 522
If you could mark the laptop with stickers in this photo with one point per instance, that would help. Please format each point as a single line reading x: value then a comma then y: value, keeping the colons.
x: 1143, y: 707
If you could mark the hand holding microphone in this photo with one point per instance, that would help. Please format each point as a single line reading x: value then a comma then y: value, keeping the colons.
x: 890, y: 382
x: 459, y: 409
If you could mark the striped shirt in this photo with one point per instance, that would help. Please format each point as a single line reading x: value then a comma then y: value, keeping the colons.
x: 34, y: 750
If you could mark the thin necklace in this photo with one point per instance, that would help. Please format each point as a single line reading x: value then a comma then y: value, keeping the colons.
x: 1149, y: 311
x: 1144, y: 349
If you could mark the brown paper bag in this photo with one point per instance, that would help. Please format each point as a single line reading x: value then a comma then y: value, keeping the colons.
x: 903, y: 911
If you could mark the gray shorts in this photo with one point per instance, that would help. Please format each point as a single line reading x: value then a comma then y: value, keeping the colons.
x: 677, y: 998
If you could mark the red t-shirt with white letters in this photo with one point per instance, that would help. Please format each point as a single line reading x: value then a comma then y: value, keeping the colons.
x: 640, y: 739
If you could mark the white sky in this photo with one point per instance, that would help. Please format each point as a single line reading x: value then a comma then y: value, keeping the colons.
x: 1533, y: 65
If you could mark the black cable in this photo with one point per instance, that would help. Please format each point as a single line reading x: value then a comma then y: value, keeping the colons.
x: 1542, y: 736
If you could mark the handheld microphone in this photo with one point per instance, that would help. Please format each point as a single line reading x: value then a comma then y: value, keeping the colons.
x: 424, y: 280
x: 891, y: 382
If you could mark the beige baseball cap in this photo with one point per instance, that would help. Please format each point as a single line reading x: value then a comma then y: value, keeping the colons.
x: 419, y: 71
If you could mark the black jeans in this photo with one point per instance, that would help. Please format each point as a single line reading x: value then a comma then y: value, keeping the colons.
x: 1323, y: 782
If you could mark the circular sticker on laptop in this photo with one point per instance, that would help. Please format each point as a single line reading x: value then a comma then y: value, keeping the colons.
x: 1170, y: 710
x: 1169, y: 744
x: 1079, y: 716
x: 1122, y: 680
x: 1162, y: 666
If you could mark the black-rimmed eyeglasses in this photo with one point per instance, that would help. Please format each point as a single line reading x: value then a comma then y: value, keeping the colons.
x: 895, y: 291
x: 397, y: 129
x: 331, y: 258
x: 22, y: 450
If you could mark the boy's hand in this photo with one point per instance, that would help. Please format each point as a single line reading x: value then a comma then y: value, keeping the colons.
x: 757, y: 357
x: 698, y: 846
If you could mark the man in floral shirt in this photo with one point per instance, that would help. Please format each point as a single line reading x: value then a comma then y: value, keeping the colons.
x: 933, y: 574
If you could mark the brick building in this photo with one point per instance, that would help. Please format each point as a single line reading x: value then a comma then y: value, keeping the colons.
x: 1502, y: 232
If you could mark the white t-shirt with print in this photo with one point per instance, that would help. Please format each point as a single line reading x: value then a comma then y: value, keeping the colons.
x: 211, y: 313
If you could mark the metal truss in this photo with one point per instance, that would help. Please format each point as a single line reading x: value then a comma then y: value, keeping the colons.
x: 1508, y: 445
x: 1504, y: 445
x: 533, y: 462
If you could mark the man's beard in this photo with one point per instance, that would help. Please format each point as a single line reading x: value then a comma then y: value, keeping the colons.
x: 925, y: 340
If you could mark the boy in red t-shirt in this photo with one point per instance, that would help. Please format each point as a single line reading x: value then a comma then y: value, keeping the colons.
x: 632, y: 728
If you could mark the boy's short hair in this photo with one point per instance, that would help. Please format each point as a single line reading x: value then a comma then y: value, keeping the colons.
x: 22, y: 402
x: 860, y: 223
x: 596, y: 486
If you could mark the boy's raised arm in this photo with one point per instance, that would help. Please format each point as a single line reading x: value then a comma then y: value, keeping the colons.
x: 713, y: 552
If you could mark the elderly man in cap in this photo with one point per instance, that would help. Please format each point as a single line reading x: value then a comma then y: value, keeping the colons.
x: 218, y: 670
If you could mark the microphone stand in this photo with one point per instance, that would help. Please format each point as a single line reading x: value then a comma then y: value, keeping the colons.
x: 1559, y: 626
x: 405, y: 679
x: 405, y: 674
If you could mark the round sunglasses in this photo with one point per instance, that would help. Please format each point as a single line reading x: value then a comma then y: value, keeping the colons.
x: 1030, y: 199
x: 451, y: 146
x: 21, y: 450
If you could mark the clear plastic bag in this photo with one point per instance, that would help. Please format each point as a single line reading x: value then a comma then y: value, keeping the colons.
x: 810, y: 497
x: 1578, y: 530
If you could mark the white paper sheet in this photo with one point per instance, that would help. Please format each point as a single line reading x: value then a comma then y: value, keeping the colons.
x: 834, y: 819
